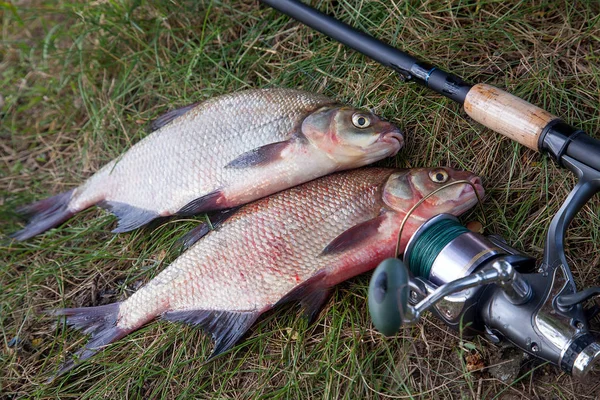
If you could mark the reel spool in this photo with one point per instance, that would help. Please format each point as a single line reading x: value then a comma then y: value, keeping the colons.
x: 442, y: 250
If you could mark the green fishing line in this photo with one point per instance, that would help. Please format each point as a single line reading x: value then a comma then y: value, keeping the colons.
x: 430, y: 243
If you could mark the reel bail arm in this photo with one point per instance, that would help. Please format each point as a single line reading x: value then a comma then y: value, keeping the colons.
x: 501, y: 273
x: 393, y: 277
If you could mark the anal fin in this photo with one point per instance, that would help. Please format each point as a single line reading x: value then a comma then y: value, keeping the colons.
x: 354, y: 236
x: 260, y: 156
x: 130, y: 217
x: 170, y: 116
x: 226, y: 327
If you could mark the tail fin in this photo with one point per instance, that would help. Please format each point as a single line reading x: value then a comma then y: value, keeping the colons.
x: 100, y: 322
x: 45, y: 214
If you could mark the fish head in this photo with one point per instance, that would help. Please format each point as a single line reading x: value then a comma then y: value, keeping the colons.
x: 351, y: 137
x: 406, y: 188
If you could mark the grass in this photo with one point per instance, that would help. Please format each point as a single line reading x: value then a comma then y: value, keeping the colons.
x: 79, y: 83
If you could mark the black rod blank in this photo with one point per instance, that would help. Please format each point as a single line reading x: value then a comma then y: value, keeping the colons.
x: 409, y: 67
x: 557, y: 139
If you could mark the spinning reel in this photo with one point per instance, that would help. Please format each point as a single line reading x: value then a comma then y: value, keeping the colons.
x: 485, y: 286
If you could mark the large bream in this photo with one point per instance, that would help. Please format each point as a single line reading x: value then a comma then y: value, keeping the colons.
x: 222, y: 153
x: 293, y: 245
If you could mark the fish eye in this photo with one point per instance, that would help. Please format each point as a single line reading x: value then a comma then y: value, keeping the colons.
x: 439, y: 175
x: 361, y: 121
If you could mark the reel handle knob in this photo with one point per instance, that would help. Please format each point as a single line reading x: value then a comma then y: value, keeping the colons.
x: 388, y: 296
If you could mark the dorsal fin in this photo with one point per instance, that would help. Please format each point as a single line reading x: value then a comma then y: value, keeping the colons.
x: 170, y: 116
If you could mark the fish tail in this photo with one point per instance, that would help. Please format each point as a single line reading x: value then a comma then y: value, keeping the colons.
x: 45, y: 214
x: 99, y: 322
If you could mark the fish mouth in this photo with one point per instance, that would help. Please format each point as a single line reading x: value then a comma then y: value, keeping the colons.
x: 467, y: 197
x: 468, y: 189
x: 393, y: 137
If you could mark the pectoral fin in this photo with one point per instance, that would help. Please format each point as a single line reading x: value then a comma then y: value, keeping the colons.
x: 354, y: 236
x: 260, y: 156
x: 170, y: 116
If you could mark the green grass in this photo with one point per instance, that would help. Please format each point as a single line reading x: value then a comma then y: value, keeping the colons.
x: 79, y: 83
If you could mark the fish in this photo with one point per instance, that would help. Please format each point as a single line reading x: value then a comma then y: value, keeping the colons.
x: 291, y: 246
x: 222, y: 153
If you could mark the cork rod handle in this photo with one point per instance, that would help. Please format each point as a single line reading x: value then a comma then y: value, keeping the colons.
x: 507, y: 114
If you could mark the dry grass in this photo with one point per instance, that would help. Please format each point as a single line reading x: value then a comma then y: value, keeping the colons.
x: 79, y: 83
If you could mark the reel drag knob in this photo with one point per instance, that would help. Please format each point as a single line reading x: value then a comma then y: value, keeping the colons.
x: 388, y: 296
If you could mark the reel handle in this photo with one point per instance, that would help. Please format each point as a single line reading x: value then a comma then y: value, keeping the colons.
x: 390, y: 285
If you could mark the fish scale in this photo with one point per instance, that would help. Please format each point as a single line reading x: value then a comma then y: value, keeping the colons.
x: 222, y: 153
x: 244, y: 237
x: 181, y: 143
x: 293, y: 245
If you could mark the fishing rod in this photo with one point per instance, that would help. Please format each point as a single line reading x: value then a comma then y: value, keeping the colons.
x: 468, y: 279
